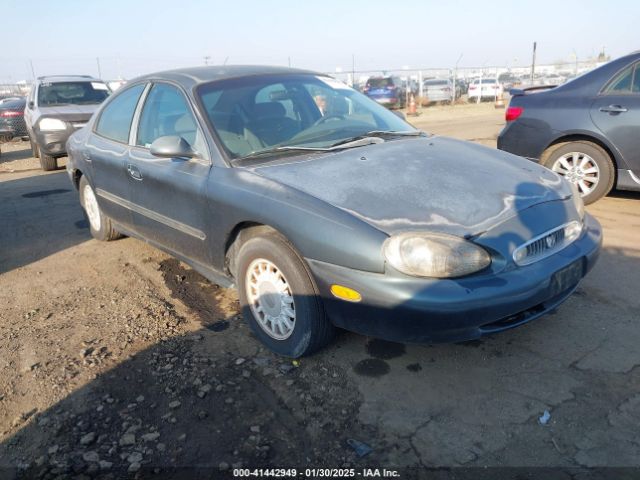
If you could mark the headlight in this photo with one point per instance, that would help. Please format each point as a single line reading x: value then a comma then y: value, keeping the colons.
x: 51, y: 124
x: 577, y: 200
x: 435, y: 255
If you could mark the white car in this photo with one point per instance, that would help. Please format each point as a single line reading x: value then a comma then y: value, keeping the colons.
x: 485, y: 88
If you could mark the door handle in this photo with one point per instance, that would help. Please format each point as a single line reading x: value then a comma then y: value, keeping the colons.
x: 134, y: 172
x: 614, y: 109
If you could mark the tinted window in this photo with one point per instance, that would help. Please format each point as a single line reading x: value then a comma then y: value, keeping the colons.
x: 166, y: 112
x: 380, y: 82
x: 115, y: 119
x: 72, y: 93
x: 621, y: 83
x: 14, y: 104
x: 436, y: 82
x: 635, y: 87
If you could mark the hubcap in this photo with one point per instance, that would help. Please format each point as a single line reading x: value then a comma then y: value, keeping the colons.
x: 580, y: 169
x: 270, y: 298
x: 91, y: 207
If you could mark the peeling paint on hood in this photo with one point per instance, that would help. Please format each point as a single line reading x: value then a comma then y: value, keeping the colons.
x: 433, y: 183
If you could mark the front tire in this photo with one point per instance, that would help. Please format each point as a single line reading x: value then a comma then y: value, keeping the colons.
x: 99, y: 224
x: 585, y: 164
x: 48, y: 163
x: 278, y: 297
x: 35, y: 151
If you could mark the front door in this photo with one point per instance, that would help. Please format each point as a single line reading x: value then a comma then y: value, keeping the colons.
x: 168, y: 195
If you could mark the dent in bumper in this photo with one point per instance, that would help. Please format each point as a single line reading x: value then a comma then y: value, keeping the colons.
x: 405, y: 309
x: 53, y: 143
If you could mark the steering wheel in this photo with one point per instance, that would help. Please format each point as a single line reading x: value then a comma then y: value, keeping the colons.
x: 321, y: 120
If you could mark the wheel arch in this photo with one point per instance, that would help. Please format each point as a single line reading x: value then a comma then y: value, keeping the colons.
x: 76, y: 175
x: 582, y: 137
x: 239, y: 234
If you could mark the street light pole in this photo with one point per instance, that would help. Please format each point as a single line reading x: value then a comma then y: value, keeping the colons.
x: 455, y: 78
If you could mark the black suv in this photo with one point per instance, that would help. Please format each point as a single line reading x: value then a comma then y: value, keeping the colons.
x: 58, y: 106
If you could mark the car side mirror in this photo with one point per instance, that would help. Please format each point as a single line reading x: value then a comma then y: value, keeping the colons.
x: 172, y: 146
x: 398, y: 113
x: 31, y: 105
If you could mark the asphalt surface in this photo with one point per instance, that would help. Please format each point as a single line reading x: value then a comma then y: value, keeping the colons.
x: 475, y: 404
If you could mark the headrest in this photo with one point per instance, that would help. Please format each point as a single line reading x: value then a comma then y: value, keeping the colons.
x: 269, y: 110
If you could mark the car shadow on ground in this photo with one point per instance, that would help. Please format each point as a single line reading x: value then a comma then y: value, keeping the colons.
x: 9, y: 155
x: 40, y: 215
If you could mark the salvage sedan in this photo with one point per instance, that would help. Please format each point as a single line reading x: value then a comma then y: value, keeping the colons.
x: 327, y: 210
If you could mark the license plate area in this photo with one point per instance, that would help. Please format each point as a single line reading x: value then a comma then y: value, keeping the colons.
x: 567, y: 277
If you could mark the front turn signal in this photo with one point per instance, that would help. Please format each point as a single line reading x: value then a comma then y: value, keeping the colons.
x: 345, y: 293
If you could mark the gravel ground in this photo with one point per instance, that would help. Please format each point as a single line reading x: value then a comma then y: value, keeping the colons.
x: 116, y: 359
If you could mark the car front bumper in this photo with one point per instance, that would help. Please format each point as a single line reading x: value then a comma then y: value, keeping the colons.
x: 400, y: 308
x: 53, y: 142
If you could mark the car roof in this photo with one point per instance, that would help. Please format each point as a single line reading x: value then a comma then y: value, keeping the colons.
x: 68, y: 78
x: 192, y: 76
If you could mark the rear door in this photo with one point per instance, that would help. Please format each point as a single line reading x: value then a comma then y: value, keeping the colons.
x: 616, y: 113
x: 169, y: 194
x: 106, y: 152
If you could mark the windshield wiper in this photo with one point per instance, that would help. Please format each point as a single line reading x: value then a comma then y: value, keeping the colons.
x: 379, y: 134
x: 359, y: 141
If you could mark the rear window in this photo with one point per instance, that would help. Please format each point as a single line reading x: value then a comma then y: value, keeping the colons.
x: 380, y: 82
x: 436, y: 82
x: 72, y: 93
x: 14, y: 104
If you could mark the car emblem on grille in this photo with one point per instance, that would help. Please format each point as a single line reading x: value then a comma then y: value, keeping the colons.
x: 550, y: 241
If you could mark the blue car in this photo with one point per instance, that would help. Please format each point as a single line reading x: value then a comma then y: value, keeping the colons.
x: 387, y: 91
x: 331, y: 214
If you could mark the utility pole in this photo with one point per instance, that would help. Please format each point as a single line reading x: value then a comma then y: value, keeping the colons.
x: 206, y: 59
x: 33, y: 72
x: 533, y: 62
x: 289, y: 61
x: 99, y: 71
x: 353, y: 69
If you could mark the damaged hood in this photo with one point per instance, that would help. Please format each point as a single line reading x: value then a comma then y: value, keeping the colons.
x: 426, y: 183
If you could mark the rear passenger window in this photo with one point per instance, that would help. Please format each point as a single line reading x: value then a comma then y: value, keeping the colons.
x: 166, y: 112
x: 635, y: 87
x: 621, y: 83
x: 115, y: 119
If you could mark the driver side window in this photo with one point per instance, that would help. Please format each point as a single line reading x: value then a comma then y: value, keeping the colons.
x: 166, y: 112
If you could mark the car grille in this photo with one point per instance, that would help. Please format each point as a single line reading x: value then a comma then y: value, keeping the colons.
x: 547, y: 244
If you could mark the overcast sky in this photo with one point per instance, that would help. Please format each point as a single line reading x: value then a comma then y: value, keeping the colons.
x: 132, y: 37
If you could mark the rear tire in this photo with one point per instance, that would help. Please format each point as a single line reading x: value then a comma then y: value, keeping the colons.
x: 292, y: 294
x: 585, y: 164
x: 99, y: 224
x: 48, y: 163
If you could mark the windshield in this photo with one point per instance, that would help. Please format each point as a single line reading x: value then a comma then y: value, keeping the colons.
x: 258, y: 113
x: 72, y: 93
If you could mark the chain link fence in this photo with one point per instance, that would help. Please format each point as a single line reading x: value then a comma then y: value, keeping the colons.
x: 414, y: 80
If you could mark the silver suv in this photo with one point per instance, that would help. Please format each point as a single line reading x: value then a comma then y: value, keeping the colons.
x: 56, y: 107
